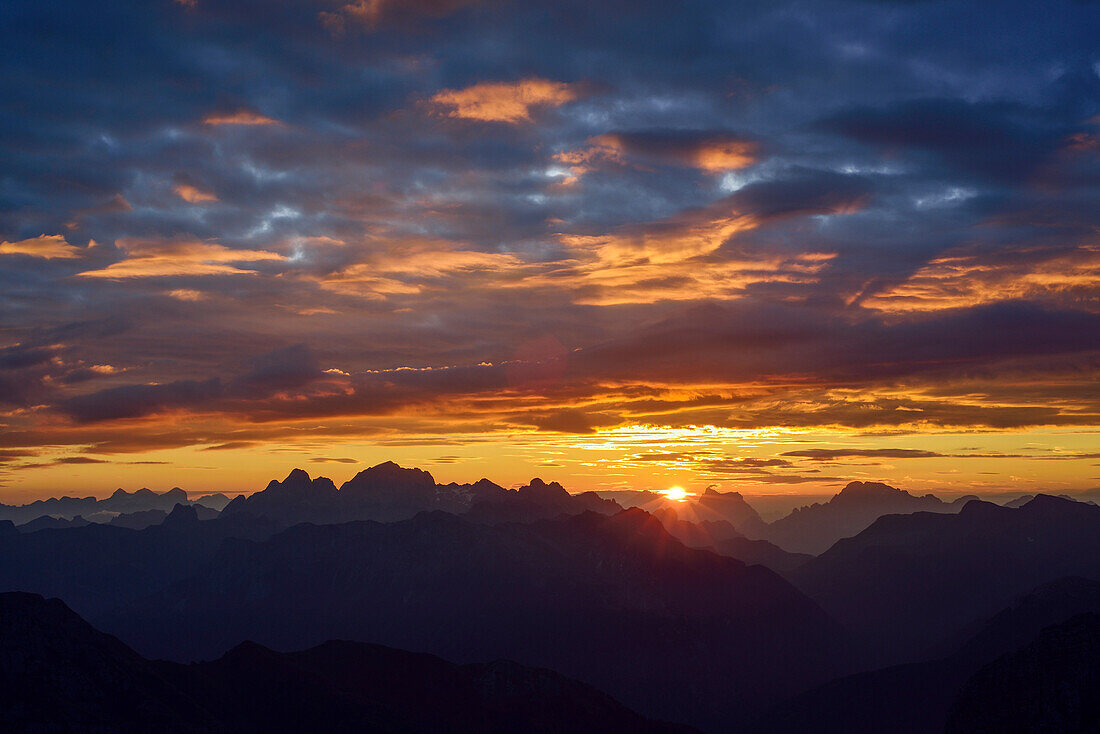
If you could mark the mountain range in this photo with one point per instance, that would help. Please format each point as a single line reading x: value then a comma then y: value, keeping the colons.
x: 59, y: 674
x: 614, y: 601
x: 909, y: 581
x: 919, y: 697
x: 90, y: 509
x: 685, y: 611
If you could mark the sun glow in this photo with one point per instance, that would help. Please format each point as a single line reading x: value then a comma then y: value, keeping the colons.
x: 679, y: 494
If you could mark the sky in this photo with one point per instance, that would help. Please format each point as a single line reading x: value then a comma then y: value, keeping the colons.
x: 766, y: 246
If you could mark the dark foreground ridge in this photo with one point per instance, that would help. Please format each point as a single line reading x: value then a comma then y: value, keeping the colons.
x: 59, y: 674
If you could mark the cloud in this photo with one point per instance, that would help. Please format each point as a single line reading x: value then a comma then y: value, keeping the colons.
x: 1001, y: 140
x: 47, y: 247
x: 964, y: 279
x: 63, y: 461
x: 709, y: 151
x: 165, y: 258
x: 693, y: 255
x: 193, y: 195
x: 370, y: 13
x: 832, y: 454
x: 135, y: 401
x: 240, y: 117
x: 507, y: 102
x: 409, y: 267
x: 230, y: 446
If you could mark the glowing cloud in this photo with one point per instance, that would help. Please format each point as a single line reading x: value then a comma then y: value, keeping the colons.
x: 510, y: 102
x: 711, y: 152
x: 406, y: 268
x: 150, y: 259
x: 47, y: 247
x: 241, y: 117
x: 193, y: 195
x: 961, y: 280
x: 720, y: 156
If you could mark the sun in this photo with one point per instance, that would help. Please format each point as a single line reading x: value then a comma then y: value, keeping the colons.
x: 679, y: 494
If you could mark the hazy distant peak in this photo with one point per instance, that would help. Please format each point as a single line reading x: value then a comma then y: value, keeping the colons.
x: 712, y: 492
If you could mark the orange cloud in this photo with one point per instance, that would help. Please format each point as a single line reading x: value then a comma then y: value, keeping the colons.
x: 149, y: 259
x: 241, y: 117
x: 186, y: 294
x: 408, y: 267
x: 192, y: 195
x: 709, y: 152
x: 47, y: 247
x: 720, y: 156
x: 961, y: 280
x: 675, y: 259
x: 509, y: 102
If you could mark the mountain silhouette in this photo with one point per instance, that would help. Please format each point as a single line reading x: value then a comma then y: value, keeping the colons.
x: 914, y: 698
x: 58, y: 673
x: 388, y: 492
x: 1049, y: 686
x: 614, y: 601
x: 48, y: 522
x: 710, y: 506
x: 97, y: 567
x: 910, y: 581
x: 147, y: 518
x: 92, y: 509
x: 730, y: 507
x: 722, y: 537
x: 815, y: 528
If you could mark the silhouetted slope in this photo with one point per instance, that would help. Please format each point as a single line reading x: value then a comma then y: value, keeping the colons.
x: 1051, y: 685
x: 388, y: 492
x: 141, y: 519
x: 723, y: 538
x: 915, y: 698
x: 728, y: 506
x: 909, y: 581
x: 352, y: 687
x: 98, y: 567
x: 814, y: 528
x: 537, y: 500
x: 682, y: 634
x: 46, y: 522
x: 58, y: 674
